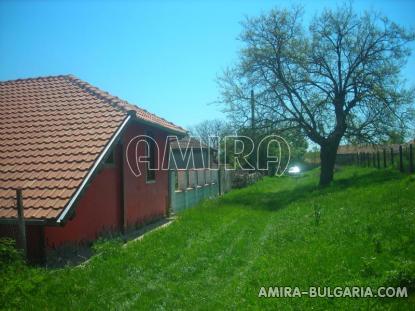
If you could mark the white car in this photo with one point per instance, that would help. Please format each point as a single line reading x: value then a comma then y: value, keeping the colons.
x: 294, y: 170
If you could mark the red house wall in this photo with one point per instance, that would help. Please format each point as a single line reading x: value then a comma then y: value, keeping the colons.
x: 144, y: 200
x: 100, y: 208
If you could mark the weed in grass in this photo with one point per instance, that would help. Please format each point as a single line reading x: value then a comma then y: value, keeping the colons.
x: 317, y: 213
x: 378, y: 245
x: 368, y: 267
x: 108, y: 247
x: 402, y: 276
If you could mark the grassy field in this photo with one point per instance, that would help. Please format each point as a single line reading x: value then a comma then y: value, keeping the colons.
x: 278, y: 232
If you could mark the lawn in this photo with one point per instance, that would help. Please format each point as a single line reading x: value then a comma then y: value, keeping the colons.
x: 278, y: 232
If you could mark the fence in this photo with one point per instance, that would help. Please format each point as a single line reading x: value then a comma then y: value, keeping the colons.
x: 400, y: 157
x: 188, y: 187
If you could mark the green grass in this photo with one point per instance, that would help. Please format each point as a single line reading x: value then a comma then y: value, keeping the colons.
x: 219, y: 254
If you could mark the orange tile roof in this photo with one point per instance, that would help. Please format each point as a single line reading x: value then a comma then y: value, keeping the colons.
x: 52, y: 132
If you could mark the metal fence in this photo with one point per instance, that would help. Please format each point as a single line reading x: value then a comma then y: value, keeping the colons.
x: 188, y: 187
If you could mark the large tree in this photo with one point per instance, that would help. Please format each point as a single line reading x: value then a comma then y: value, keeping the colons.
x: 337, y: 79
x: 211, y: 131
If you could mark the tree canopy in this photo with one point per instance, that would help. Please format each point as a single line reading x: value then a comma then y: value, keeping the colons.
x: 337, y: 79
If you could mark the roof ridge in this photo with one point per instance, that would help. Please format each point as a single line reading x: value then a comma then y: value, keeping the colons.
x: 153, y: 114
x: 114, y: 101
x: 97, y: 92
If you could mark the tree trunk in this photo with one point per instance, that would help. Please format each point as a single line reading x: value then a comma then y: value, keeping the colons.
x: 328, y: 154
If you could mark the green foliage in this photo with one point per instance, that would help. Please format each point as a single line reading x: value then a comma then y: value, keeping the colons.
x: 277, y: 232
x: 8, y: 252
x: 396, y: 137
x: 19, y: 281
x: 243, y: 179
x: 266, y: 147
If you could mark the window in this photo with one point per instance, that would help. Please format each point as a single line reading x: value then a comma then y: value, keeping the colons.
x: 151, y: 164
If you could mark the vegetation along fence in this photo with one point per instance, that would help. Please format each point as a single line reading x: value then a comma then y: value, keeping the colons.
x: 400, y: 157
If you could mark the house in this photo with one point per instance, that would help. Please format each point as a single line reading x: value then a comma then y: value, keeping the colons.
x: 190, y: 153
x: 64, y: 143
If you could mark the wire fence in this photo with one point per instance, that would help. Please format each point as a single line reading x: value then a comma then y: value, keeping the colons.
x: 399, y: 157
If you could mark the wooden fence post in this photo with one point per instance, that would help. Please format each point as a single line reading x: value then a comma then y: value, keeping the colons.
x: 219, y: 182
x: 21, y: 221
x: 172, y: 191
x: 392, y: 154
x: 411, y: 159
x: 400, y: 159
x: 384, y: 158
x: 378, y: 158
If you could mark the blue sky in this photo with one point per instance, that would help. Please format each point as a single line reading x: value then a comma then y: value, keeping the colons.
x: 161, y: 55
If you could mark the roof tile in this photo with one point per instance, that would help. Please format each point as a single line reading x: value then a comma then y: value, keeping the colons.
x: 52, y: 130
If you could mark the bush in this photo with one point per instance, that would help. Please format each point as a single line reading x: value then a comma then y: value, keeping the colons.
x: 8, y: 252
x: 243, y: 179
x: 18, y: 279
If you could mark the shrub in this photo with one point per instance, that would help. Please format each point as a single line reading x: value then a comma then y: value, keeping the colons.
x: 241, y: 179
x: 8, y: 252
x: 18, y: 279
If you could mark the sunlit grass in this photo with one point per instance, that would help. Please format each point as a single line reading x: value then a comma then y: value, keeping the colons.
x: 278, y: 232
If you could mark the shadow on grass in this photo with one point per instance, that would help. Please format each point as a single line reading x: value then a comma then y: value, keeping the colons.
x: 257, y: 197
